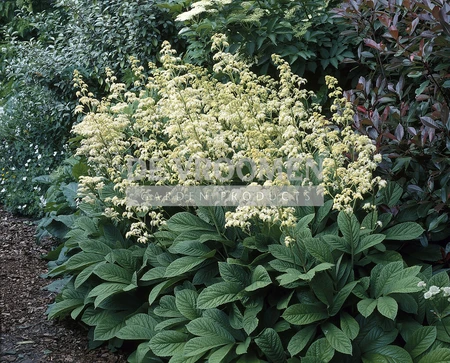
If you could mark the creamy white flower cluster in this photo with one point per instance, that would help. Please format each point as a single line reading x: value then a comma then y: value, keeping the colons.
x: 434, y: 290
x: 184, y: 112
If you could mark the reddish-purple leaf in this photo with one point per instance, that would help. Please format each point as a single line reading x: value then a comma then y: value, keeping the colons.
x: 399, y: 132
x: 393, y: 31
x: 373, y: 44
x: 412, y: 131
x: 385, y: 20
x: 429, y: 122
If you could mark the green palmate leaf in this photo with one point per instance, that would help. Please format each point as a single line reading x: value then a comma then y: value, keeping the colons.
x: 186, y: 302
x: 389, y: 353
x: 214, y: 216
x: 341, y: 296
x: 219, y: 294
x: 138, y: 327
x: 366, y: 307
x: 349, y: 325
x: 350, y: 228
x: 318, y: 249
x: 321, y: 350
x: 260, y: 278
x: 387, y: 306
x: 404, y: 231
x: 420, y: 340
x: 207, y: 327
x: 303, y: 314
x: 113, y: 273
x: 105, y: 290
x: 200, y: 345
x: 270, y: 344
x: 182, y: 265
x: 301, y: 339
x: 220, y: 354
x: 369, y: 241
x: 440, y: 355
x: 337, y: 339
x: 184, y: 221
x: 168, y: 343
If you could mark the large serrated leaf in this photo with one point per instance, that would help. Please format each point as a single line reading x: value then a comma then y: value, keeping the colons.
x: 301, y: 339
x: 270, y: 344
x: 337, y: 339
x: 138, y: 327
x: 369, y: 241
x: 404, y: 231
x: 182, y: 265
x: 349, y: 325
x: 64, y: 307
x: 234, y: 273
x: 113, y: 273
x: 389, y: 353
x: 304, y: 314
x: 105, y: 290
x: 219, y: 294
x: 189, y: 248
x: 387, y: 306
x: 184, y: 221
x: 318, y: 249
x: 420, y: 340
x: 350, y: 228
x: 207, y: 327
x: 220, y: 354
x: 320, y: 350
x: 168, y: 343
x: 186, y: 302
x: 366, y: 307
x: 440, y: 355
x: 109, y: 325
x: 259, y: 279
x: 341, y: 296
x: 201, y: 345
x: 83, y: 259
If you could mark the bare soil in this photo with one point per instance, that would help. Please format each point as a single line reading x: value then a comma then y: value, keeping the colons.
x: 26, y: 335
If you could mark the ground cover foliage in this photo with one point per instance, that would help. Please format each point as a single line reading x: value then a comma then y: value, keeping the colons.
x: 362, y: 278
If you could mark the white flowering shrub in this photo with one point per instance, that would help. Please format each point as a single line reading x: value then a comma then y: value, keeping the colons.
x: 182, y: 112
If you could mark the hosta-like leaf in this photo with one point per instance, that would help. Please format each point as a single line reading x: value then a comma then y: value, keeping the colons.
x: 387, y: 306
x: 404, y: 231
x: 270, y: 344
x: 337, y: 339
x: 168, y: 343
x: 219, y: 294
x: 320, y: 350
x: 318, y: 249
x: 234, y: 273
x: 420, y: 340
x: 189, y: 248
x: 341, y: 297
x: 220, y: 354
x: 83, y: 259
x: 64, y: 307
x: 109, y: 326
x: 304, y: 314
x: 349, y: 325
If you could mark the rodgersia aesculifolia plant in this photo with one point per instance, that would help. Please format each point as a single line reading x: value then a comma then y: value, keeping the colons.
x: 183, y: 112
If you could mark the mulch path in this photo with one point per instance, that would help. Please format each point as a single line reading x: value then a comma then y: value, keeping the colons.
x: 25, y: 333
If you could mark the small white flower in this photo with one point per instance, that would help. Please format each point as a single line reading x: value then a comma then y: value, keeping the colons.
x: 421, y: 284
x: 24, y: 178
x: 382, y: 183
x: 434, y: 290
x: 3, y: 190
x: 427, y: 295
x: 39, y: 156
x: 446, y: 291
x: 380, y: 224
